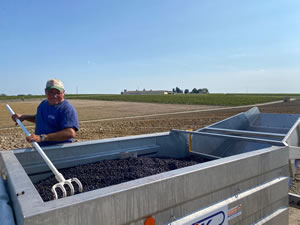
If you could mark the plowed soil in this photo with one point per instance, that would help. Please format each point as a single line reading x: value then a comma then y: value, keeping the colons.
x: 99, y: 119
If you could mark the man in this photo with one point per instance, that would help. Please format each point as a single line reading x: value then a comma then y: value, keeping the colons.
x: 56, y: 119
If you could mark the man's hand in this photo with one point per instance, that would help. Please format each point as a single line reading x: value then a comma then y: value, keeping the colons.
x: 17, y: 116
x: 33, y: 137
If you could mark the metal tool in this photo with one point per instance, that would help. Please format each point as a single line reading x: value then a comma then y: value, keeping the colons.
x: 59, y: 177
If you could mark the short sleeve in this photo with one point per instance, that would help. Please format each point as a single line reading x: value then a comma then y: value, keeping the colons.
x: 69, y: 118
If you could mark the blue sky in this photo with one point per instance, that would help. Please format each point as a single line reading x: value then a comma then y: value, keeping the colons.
x: 107, y: 46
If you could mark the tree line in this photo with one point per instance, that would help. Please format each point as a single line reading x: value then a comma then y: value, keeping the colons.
x: 194, y: 91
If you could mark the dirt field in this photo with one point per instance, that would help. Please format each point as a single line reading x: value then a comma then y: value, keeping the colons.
x: 101, y: 119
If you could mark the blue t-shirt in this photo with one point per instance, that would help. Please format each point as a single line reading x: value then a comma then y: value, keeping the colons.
x: 53, y: 118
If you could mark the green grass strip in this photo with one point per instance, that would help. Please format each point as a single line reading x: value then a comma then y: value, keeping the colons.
x: 189, y: 99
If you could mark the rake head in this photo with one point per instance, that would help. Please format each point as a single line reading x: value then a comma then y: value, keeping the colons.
x: 68, y: 182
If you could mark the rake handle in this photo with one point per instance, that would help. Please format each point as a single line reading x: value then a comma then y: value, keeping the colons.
x: 59, y: 177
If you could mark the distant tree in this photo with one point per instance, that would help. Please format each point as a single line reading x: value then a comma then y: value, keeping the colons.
x: 173, y: 90
x: 2, y: 94
x: 200, y: 91
x: 205, y: 91
x: 178, y: 90
x: 195, y: 91
x: 186, y: 91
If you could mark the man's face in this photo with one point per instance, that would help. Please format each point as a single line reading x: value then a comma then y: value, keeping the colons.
x: 55, y: 96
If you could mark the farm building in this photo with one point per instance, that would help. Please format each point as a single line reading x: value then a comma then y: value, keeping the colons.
x: 145, y: 92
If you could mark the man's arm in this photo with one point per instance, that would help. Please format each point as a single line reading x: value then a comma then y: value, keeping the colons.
x: 62, y: 135
x: 30, y: 118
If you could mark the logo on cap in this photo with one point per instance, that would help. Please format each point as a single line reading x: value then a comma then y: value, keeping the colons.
x: 54, y: 83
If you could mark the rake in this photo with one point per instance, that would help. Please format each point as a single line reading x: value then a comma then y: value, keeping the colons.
x: 59, y: 177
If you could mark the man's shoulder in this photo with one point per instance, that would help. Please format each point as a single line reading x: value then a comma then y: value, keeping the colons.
x: 43, y: 103
x: 67, y: 105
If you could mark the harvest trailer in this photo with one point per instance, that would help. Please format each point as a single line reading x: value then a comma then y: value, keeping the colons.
x: 251, y: 158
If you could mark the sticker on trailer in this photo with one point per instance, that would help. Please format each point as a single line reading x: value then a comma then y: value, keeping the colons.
x: 205, y: 217
x: 234, y: 212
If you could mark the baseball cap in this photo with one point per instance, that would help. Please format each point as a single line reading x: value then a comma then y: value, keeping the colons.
x: 54, y: 83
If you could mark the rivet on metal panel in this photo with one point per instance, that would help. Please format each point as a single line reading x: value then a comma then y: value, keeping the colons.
x: 238, y: 191
x: 172, y: 218
x: 20, y: 193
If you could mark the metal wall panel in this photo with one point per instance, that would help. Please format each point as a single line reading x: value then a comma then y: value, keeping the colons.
x: 173, y: 194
